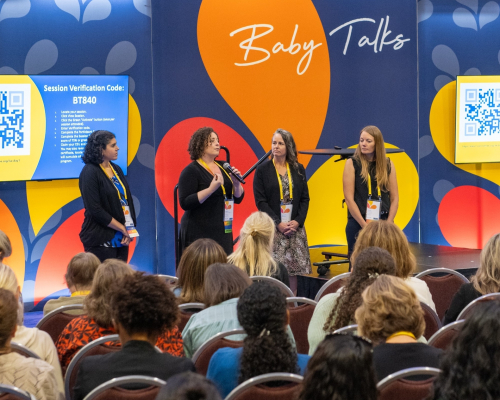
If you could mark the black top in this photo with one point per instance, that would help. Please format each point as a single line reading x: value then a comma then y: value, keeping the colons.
x: 204, y: 220
x: 462, y: 298
x: 136, y: 358
x: 266, y: 189
x: 361, y: 189
x: 281, y: 274
x: 101, y: 202
x: 389, y: 358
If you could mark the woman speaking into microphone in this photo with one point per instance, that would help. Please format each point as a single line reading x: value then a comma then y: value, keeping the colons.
x: 207, y: 194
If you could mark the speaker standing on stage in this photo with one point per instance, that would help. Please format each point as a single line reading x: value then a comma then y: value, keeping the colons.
x: 109, y: 223
x: 369, y: 179
x: 280, y: 189
x: 207, y: 194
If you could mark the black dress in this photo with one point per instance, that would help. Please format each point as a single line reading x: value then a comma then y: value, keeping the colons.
x: 206, y: 220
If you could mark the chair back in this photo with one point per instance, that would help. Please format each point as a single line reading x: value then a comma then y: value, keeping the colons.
x: 55, y: 321
x: 111, y: 389
x: 9, y: 392
x: 443, y: 283
x: 23, y: 350
x: 300, y: 316
x: 273, y: 281
x: 347, y: 329
x: 473, y: 304
x: 254, y: 389
x: 201, y: 358
x: 96, y: 347
x: 432, y: 321
x: 169, y: 279
x: 395, y: 387
x: 443, y: 337
x: 332, y: 285
x: 188, y: 309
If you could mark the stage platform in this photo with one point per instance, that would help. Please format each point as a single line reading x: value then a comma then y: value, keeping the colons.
x: 428, y: 256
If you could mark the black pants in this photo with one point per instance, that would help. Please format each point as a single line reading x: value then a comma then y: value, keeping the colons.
x: 103, y: 253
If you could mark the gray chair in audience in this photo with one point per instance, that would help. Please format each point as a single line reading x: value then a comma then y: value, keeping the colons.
x: 395, y: 386
x: 55, y: 321
x: 332, y: 285
x: 23, y: 350
x: 112, y: 388
x: 9, y: 392
x: 171, y: 280
x: 253, y: 389
x: 432, y: 321
x: 300, y: 317
x: 347, y: 329
x: 188, y: 309
x: 443, y: 337
x: 473, y: 304
x: 284, y: 288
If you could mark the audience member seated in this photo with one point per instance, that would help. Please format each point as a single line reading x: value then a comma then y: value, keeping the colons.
x: 263, y: 313
x: 254, y: 253
x: 98, y: 319
x: 340, y: 368
x: 142, y: 308
x: 388, y: 236
x: 336, y: 310
x: 188, y: 386
x: 392, y: 318
x: 471, y: 364
x: 224, y: 283
x: 486, y: 280
x: 33, y: 338
x: 79, y: 277
x: 35, y: 376
x: 195, y: 260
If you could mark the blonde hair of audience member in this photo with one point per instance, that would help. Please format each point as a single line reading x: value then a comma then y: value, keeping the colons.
x: 487, y: 278
x: 195, y: 260
x: 253, y: 254
x: 224, y: 282
x: 389, y: 306
x: 388, y: 236
x: 8, y: 280
x: 8, y: 319
x: 80, y: 272
x: 97, y: 303
x: 5, y: 246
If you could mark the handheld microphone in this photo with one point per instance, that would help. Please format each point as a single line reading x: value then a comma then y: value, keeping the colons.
x: 229, y: 169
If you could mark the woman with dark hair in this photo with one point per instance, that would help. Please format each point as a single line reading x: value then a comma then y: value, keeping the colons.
x: 471, y: 365
x: 280, y: 190
x: 263, y: 314
x: 109, y: 223
x: 336, y: 310
x: 207, y: 193
x: 188, y: 386
x: 340, y: 368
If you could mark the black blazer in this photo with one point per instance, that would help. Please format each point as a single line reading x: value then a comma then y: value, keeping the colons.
x: 101, y: 203
x: 266, y: 190
x: 136, y: 358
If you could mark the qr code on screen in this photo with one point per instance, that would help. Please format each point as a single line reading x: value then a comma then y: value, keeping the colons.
x: 15, y: 114
x: 482, y: 113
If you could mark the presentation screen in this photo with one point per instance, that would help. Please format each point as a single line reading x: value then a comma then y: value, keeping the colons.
x: 45, y: 122
x: 477, y: 133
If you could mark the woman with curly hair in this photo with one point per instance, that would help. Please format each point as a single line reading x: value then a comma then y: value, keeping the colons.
x: 392, y: 318
x: 143, y: 307
x: 470, y: 365
x: 336, y: 310
x: 486, y: 280
x: 109, y: 223
x: 263, y: 314
x: 341, y: 368
x: 207, y: 193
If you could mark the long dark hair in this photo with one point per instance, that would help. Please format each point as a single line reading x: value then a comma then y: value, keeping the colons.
x: 340, y: 368
x: 96, y: 143
x: 471, y: 366
x: 291, y: 149
x: 370, y: 263
x: 262, y: 312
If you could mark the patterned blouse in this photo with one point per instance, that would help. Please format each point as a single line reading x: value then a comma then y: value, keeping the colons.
x: 83, y: 330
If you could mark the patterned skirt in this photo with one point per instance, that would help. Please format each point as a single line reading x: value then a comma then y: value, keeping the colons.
x: 293, y: 252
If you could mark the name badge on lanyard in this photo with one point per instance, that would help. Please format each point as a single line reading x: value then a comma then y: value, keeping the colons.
x: 228, y: 215
x: 286, y: 212
x: 373, y: 207
x: 129, y: 223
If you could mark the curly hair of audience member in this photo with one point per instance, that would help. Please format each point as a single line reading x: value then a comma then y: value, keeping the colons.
x: 189, y: 386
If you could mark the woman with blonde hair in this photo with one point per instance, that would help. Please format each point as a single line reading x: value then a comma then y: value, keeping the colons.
x: 486, y: 280
x: 392, y: 318
x: 388, y: 236
x: 254, y: 254
x: 5, y: 246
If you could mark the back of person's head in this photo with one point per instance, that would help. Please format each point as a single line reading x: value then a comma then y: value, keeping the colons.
x: 144, y: 304
x: 5, y: 246
x: 388, y: 236
x: 263, y: 314
x: 194, y: 262
x: 81, y: 270
x: 8, y: 316
x: 389, y: 306
x: 254, y: 251
x: 188, y: 386
x: 471, y: 364
x: 340, y: 368
x: 224, y: 282
x: 8, y: 280
x: 487, y: 278
x: 97, y: 303
x: 370, y: 263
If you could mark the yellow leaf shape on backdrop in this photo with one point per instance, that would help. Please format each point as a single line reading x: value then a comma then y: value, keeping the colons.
x: 9, y: 226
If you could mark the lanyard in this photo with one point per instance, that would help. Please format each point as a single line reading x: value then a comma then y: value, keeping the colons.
x: 211, y: 173
x: 119, y: 180
x: 289, y: 181
x: 401, y: 333
x: 370, y: 188
x: 80, y: 293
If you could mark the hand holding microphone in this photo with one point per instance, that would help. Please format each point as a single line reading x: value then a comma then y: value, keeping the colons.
x: 233, y: 171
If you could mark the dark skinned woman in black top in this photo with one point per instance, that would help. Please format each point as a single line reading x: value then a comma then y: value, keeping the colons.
x: 110, y: 221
